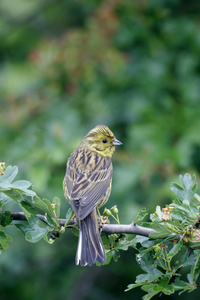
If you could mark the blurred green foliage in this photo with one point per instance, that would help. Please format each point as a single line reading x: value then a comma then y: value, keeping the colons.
x: 69, y: 65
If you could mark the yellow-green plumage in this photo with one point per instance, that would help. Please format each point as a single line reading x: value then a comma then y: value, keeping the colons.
x: 87, y: 185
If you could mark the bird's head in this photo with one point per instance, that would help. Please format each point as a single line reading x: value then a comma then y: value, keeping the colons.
x: 101, y: 139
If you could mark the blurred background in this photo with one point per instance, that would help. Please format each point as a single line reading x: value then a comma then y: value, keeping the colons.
x: 68, y: 65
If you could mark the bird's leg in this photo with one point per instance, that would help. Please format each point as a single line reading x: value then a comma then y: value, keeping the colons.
x: 74, y: 218
x: 102, y: 219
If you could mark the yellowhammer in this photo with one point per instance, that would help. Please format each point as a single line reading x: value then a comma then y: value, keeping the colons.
x: 87, y: 185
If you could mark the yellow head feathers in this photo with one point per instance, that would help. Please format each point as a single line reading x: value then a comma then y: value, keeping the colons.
x: 101, y: 139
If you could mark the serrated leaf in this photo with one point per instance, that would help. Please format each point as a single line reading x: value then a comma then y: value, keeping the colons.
x: 2, y: 235
x: 132, y: 286
x: 69, y: 215
x: 188, y: 260
x: 177, y: 215
x: 13, y: 194
x: 188, y: 189
x: 124, y: 243
x: 108, y: 257
x: 23, y: 186
x: 36, y: 230
x: 115, y: 255
x: 5, y: 219
x: 194, y: 245
x: 146, y: 263
x: 180, y: 284
x: 190, y: 278
x: 141, y: 215
x: 175, y: 250
x: 29, y: 207
x: 150, y: 295
x: 75, y: 231
x: 50, y: 221
x: 112, y: 238
x: 149, y: 277
x: 164, y: 286
x: 43, y: 204
x: 4, y: 239
x: 188, y: 181
x: 141, y: 239
x: 197, y: 196
x: 9, y: 174
x: 178, y: 190
x: 161, y: 231
x: 4, y: 199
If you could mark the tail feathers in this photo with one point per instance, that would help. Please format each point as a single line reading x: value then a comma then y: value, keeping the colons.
x: 90, y: 248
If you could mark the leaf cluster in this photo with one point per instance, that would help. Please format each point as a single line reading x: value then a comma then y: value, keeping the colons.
x: 30, y: 204
x: 169, y: 252
x: 172, y: 250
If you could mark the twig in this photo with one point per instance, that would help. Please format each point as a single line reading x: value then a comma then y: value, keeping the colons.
x: 107, y: 228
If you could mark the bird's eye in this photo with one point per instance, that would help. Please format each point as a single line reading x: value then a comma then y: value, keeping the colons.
x: 104, y: 141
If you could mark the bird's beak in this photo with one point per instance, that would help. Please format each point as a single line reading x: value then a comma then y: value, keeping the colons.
x: 116, y: 142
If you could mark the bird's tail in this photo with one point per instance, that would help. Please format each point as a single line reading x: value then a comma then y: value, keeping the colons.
x: 90, y: 247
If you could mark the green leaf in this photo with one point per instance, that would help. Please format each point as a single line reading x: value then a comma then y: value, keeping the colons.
x: 153, y: 275
x: 111, y: 239
x: 2, y: 235
x: 140, y: 216
x: 46, y: 206
x: 124, y: 243
x: 150, y: 295
x: 9, y: 174
x: 175, y: 249
x: 108, y: 257
x: 132, y: 286
x: 35, y: 231
x: 115, y: 255
x: 146, y: 263
x: 111, y: 254
x: 4, y: 239
x: 69, y: 215
x: 161, y: 231
x: 50, y: 221
x: 6, y: 182
x: 181, y: 285
x: 188, y: 182
x: 144, y: 241
x: 75, y: 231
x: 42, y: 204
x: 188, y: 260
x: 5, y: 219
x: 23, y: 186
x: 14, y: 194
x: 188, y: 189
x: 29, y: 208
x: 164, y: 286
x: 4, y: 199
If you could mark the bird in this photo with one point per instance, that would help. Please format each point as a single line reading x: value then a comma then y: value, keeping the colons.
x: 87, y: 186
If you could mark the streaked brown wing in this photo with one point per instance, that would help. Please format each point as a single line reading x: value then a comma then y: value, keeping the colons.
x: 88, y: 188
x: 71, y: 176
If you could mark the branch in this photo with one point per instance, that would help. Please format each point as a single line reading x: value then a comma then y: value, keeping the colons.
x: 107, y: 228
x: 131, y: 229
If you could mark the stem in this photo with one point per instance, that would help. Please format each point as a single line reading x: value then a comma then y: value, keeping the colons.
x: 193, y: 271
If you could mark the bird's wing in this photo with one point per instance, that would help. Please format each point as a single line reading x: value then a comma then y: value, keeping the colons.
x: 87, y: 189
